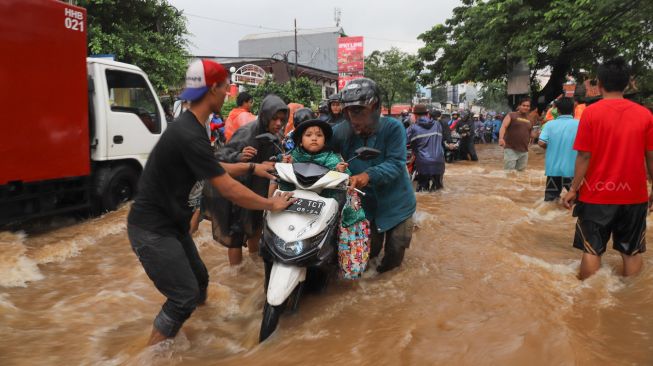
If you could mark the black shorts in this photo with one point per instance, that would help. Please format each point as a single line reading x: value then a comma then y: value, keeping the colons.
x: 625, y: 223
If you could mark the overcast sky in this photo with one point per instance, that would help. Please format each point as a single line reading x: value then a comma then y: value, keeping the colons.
x: 383, y: 23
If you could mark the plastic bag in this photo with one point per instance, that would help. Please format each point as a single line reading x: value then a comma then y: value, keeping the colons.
x: 353, y: 240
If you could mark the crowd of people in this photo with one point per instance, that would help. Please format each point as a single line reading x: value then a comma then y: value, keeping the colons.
x: 232, y: 184
x: 600, y: 161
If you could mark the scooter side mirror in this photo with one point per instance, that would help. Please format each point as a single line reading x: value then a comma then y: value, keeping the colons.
x: 267, y: 137
x: 367, y: 153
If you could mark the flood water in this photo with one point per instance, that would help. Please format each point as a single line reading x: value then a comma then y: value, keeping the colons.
x: 490, y: 279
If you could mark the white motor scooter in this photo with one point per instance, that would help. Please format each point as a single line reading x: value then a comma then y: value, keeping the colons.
x: 299, y: 244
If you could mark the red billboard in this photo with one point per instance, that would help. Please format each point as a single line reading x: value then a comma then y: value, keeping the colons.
x: 350, y: 59
x: 343, y: 80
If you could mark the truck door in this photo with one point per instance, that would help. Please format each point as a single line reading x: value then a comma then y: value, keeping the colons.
x: 134, y: 118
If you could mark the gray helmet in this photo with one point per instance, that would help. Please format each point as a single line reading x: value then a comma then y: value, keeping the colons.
x: 360, y: 92
x: 302, y: 115
x: 323, y: 107
x: 334, y: 98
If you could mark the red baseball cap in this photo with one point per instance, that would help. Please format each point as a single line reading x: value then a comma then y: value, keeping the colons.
x: 200, y: 76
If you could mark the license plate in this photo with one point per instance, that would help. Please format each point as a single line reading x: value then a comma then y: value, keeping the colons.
x: 306, y: 206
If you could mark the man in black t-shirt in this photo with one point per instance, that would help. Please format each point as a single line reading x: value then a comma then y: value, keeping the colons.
x: 159, y: 219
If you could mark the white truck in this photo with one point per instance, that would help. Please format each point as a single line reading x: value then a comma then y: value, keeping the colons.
x: 78, y: 130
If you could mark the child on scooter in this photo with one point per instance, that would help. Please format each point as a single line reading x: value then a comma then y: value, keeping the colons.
x: 311, y: 138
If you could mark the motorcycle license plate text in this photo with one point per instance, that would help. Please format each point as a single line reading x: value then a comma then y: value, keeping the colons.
x: 306, y: 206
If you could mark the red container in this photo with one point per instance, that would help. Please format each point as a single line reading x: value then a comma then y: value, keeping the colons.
x: 44, y: 131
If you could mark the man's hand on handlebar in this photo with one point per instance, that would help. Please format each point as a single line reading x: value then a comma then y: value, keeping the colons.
x: 263, y: 170
x: 281, y: 200
x: 359, y: 181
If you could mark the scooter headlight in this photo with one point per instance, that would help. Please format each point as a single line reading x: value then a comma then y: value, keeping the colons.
x: 295, y: 248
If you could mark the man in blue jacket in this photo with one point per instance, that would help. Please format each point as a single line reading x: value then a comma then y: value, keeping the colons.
x: 426, y: 140
x: 389, y: 200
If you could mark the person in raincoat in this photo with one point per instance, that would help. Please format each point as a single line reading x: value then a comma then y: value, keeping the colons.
x: 389, y: 200
x: 239, y: 116
x: 233, y: 226
x: 425, y: 139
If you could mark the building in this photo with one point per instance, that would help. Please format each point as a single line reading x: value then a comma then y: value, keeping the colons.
x: 252, y: 70
x: 316, y: 48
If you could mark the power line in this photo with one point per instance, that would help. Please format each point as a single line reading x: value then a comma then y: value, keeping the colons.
x: 283, y: 30
x: 236, y: 23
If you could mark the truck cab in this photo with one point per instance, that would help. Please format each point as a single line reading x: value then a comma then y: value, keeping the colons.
x: 126, y: 120
x: 80, y: 129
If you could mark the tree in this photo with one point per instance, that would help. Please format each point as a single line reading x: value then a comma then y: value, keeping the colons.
x: 492, y: 96
x: 394, y: 73
x: 228, y: 105
x: 483, y: 38
x: 299, y: 90
x: 303, y: 91
x: 439, y: 94
x: 147, y: 33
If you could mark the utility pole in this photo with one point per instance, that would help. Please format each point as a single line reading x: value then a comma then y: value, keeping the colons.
x: 295, y: 73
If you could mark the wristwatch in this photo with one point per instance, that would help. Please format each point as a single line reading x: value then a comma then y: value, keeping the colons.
x: 251, y: 169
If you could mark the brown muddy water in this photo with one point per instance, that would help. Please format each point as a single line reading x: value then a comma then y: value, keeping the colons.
x: 489, y: 280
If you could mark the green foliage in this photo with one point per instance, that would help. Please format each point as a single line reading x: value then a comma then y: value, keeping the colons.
x: 644, y: 82
x: 147, y: 33
x: 300, y: 90
x: 227, y: 107
x: 394, y: 73
x: 483, y: 38
x: 439, y: 94
x: 303, y: 91
x: 493, y: 95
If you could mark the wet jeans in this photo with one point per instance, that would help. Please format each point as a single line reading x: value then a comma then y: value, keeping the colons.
x: 429, y: 183
x: 467, y: 149
x: 175, y: 267
x: 395, y: 241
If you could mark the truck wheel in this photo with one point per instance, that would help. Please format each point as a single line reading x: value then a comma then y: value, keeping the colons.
x: 116, y: 186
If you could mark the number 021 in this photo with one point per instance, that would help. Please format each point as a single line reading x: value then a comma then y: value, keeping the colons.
x: 74, y: 24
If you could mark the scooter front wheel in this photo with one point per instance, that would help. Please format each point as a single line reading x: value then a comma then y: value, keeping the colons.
x: 271, y: 315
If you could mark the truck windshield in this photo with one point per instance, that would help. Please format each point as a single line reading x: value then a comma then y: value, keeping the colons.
x: 129, y: 93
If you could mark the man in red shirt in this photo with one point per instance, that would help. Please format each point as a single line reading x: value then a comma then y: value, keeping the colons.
x: 614, y: 144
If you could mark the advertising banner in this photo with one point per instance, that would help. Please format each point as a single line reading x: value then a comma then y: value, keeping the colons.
x: 350, y: 59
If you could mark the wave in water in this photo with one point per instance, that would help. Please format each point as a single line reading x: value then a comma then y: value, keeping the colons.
x: 16, y: 268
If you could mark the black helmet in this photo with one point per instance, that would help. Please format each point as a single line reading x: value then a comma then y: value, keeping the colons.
x: 301, y: 115
x: 334, y: 98
x: 360, y: 92
x: 323, y: 107
x: 299, y: 131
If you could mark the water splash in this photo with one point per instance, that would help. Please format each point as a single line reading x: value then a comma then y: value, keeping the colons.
x: 16, y: 268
